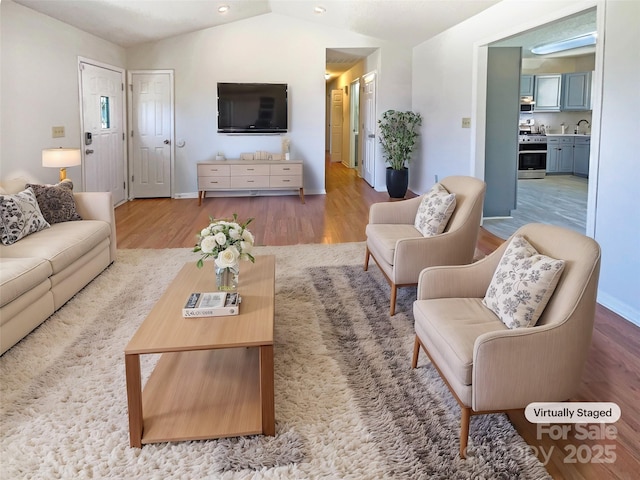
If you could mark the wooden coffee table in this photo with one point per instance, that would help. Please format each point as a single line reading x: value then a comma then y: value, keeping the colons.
x: 215, y: 376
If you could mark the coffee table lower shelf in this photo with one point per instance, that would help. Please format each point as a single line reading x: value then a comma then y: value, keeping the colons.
x: 196, y: 395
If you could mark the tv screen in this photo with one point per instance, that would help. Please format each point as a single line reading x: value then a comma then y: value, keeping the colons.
x: 252, y: 107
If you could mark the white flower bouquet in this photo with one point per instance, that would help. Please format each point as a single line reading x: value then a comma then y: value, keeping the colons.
x: 226, y: 241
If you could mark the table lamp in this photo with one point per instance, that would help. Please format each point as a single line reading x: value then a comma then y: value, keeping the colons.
x: 61, y: 158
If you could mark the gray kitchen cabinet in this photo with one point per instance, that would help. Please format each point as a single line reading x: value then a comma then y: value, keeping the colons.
x: 581, y: 151
x: 526, y: 85
x: 560, y: 154
x: 576, y: 91
x: 548, y: 91
x: 552, y: 158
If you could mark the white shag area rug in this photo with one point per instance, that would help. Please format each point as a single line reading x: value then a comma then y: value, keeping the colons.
x: 348, y: 405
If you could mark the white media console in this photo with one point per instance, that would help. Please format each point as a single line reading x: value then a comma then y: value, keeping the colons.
x: 255, y: 175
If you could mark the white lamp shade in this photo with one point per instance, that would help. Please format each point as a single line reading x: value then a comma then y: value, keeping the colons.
x: 61, y: 157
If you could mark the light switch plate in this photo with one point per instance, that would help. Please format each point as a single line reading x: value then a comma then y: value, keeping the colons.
x: 57, y: 132
x: 466, y: 122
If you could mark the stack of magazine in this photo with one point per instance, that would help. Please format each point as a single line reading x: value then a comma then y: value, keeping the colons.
x: 212, y: 304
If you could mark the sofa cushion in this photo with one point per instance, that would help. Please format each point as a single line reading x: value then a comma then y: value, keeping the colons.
x: 382, y: 238
x: 20, y: 216
x: 19, y: 275
x: 435, y: 210
x: 522, y: 284
x: 449, y: 327
x: 56, y: 201
x: 13, y: 185
x: 61, y: 244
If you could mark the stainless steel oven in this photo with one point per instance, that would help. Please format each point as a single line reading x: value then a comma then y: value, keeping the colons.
x: 532, y: 156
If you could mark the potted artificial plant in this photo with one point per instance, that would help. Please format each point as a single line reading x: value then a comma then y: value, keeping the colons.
x: 398, y: 134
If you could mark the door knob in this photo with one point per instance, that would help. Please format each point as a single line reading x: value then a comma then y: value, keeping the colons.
x: 88, y: 151
x: 167, y: 142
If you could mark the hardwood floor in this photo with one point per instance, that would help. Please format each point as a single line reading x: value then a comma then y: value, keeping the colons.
x: 612, y: 373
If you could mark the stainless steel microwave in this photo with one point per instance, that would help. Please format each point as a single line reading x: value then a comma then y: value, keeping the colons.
x: 526, y: 104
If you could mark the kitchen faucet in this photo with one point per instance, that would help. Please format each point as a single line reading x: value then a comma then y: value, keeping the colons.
x: 579, y: 122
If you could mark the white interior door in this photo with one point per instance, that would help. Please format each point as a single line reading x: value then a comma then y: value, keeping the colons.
x: 151, y: 133
x: 103, y: 141
x: 369, y: 128
x: 335, y: 149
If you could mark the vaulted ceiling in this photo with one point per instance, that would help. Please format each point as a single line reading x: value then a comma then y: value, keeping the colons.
x: 406, y: 22
x: 130, y: 22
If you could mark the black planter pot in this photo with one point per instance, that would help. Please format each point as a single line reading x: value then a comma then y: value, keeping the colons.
x: 397, y: 182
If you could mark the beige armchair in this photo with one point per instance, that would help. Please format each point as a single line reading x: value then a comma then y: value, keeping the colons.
x: 402, y: 252
x: 490, y: 368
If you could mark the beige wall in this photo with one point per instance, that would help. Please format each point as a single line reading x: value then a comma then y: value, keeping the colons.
x: 444, y: 91
x: 39, y: 88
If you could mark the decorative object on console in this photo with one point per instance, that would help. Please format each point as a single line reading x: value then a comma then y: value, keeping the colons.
x: 56, y: 202
x: 398, y: 134
x: 286, y: 148
x: 227, y: 242
x: 61, y: 158
x: 20, y: 216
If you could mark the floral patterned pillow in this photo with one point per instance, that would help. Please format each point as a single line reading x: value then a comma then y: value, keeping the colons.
x: 522, y: 284
x: 56, y: 202
x: 434, y: 211
x: 20, y: 216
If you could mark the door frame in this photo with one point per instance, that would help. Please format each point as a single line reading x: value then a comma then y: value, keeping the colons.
x: 123, y: 120
x: 369, y: 77
x: 129, y: 96
x: 479, y: 100
x: 354, y: 120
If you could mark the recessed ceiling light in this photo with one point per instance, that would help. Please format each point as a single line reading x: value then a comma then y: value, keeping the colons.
x: 319, y: 10
x: 223, y: 8
x: 567, y: 44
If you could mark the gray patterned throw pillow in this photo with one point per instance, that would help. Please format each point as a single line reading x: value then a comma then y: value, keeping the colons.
x: 434, y: 211
x: 20, y: 216
x: 56, y: 202
x: 522, y: 284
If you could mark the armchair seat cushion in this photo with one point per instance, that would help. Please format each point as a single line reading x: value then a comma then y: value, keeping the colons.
x: 382, y: 238
x: 449, y: 327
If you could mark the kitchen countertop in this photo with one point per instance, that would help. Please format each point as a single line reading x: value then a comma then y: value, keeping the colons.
x: 568, y: 134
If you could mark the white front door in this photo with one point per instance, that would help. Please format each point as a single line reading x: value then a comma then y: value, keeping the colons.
x: 335, y: 149
x: 103, y: 140
x: 151, y: 133
x: 369, y: 128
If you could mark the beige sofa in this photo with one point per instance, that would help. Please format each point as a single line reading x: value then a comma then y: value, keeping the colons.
x: 41, y: 272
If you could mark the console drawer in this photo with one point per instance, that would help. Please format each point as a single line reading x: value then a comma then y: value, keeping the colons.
x: 207, y: 183
x: 250, y: 181
x: 252, y: 170
x: 280, y: 181
x: 213, y: 170
x: 291, y: 169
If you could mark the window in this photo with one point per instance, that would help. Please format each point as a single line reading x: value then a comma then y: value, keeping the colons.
x: 105, y: 117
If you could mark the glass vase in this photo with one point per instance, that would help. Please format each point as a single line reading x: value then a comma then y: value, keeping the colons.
x: 227, y: 278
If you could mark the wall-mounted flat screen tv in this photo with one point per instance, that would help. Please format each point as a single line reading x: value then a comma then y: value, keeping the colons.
x: 252, y: 108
